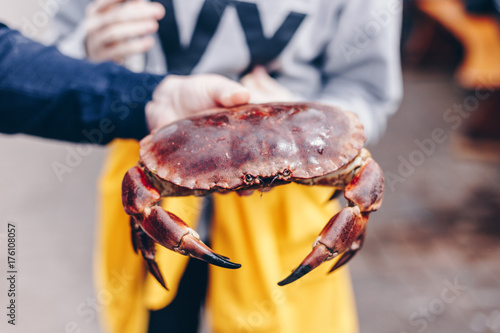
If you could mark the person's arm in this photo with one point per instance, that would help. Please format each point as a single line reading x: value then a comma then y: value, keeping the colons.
x: 362, y: 70
x: 46, y: 94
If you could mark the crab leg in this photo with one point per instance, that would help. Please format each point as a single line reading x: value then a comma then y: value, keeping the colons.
x: 147, y: 247
x: 344, y: 233
x: 151, y: 223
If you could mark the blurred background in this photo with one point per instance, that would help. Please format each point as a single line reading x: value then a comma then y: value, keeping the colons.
x: 431, y: 260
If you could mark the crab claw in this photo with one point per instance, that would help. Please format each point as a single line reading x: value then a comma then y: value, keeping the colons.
x: 347, y: 255
x: 191, y: 245
x: 150, y: 224
x: 143, y: 243
x: 318, y: 255
x: 345, y: 232
x: 148, y: 253
x: 337, y: 236
x: 170, y: 231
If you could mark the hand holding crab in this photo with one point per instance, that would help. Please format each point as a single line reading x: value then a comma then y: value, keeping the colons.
x: 252, y: 147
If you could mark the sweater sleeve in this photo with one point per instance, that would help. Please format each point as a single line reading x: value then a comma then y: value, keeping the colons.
x: 47, y: 94
x: 362, y: 70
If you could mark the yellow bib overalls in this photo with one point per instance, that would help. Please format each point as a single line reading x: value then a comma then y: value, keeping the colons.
x: 268, y: 235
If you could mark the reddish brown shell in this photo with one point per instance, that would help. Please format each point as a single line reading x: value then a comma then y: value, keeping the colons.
x: 218, y: 149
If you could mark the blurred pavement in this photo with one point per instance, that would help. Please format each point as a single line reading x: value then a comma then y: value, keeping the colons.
x: 430, y: 263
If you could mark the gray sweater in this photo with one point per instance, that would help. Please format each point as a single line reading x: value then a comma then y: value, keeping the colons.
x: 341, y: 52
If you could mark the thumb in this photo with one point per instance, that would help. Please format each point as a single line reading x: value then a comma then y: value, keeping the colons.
x: 226, y: 92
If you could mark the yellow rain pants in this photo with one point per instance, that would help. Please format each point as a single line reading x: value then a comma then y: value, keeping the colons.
x: 268, y: 235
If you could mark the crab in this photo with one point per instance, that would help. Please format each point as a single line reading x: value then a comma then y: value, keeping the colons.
x: 253, y: 147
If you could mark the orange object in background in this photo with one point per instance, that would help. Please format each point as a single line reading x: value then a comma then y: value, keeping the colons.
x: 478, y: 72
x: 480, y: 37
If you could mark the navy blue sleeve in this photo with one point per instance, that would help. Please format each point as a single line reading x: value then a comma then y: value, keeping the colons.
x: 47, y: 94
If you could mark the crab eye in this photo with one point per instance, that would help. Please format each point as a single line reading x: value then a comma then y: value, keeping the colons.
x: 286, y: 173
x: 248, y: 179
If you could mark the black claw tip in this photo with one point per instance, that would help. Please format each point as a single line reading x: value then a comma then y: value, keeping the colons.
x: 134, y: 242
x: 220, y: 261
x: 335, y: 195
x: 296, y: 274
x: 155, y: 271
x: 223, y: 257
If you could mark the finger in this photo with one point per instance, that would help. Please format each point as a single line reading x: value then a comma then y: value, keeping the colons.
x: 227, y: 92
x: 255, y: 78
x: 236, y: 97
x: 128, y: 48
x: 260, y: 71
x: 257, y: 94
x: 260, y: 76
x: 102, y: 5
x: 130, y: 11
x: 133, y: 11
x: 264, y: 80
x: 120, y: 32
x: 247, y: 78
x: 260, y: 90
x: 265, y: 88
x: 249, y: 81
